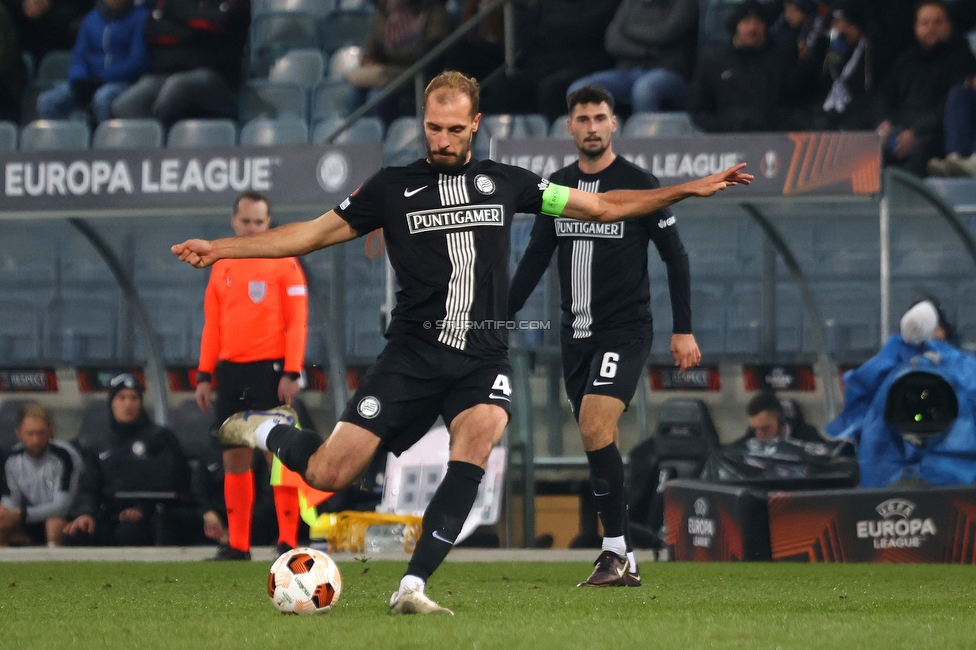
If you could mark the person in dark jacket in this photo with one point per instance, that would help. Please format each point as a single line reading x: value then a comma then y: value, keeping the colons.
x: 46, y: 25
x: 654, y: 43
x: 741, y: 87
x: 564, y: 41
x: 13, y: 73
x: 195, y: 49
x: 109, y: 56
x: 914, y: 98
x: 137, y: 489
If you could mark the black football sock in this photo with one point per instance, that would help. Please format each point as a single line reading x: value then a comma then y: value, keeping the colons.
x: 293, y: 446
x: 444, y: 517
x: 607, y: 478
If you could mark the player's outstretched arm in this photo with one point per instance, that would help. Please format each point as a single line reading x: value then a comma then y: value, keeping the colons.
x: 624, y: 204
x: 290, y: 240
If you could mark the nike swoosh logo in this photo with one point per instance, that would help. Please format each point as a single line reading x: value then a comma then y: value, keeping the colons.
x: 437, y: 536
x: 499, y: 397
x: 408, y: 193
x: 602, y: 383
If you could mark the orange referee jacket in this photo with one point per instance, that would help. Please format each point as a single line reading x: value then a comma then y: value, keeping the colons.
x: 255, y: 310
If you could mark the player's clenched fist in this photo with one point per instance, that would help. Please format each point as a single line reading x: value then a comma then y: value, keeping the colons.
x: 197, y: 252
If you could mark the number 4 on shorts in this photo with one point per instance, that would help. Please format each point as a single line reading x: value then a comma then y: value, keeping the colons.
x: 502, y: 385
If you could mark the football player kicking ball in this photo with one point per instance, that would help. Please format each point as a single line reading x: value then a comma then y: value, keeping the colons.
x: 446, y: 220
x: 606, y: 323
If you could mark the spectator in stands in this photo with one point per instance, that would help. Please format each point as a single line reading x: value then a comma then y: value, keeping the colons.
x: 401, y: 33
x: 13, y: 74
x: 482, y: 50
x: 654, y: 43
x: 564, y: 42
x: 195, y: 48
x: 914, y: 98
x: 109, y: 55
x: 137, y: 490
x: 801, y: 28
x: 255, y: 325
x: 42, y: 476
x: 840, y: 81
x: 742, y: 86
x: 46, y: 25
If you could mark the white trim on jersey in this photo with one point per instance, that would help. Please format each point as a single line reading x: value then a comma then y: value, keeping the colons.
x: 452, y: 189
x: 581, y: 286
x: 460, y: 289
x: 592, y: 187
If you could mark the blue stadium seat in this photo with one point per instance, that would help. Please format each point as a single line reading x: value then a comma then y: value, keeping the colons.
x: 508, y: 127
x: 273, y: 34
x: 54, y: 66
x: 744, y: 319
x: 558, y: 130
x: 404, y: 141
x: 345, y: 27
x: 304, y: 67
x: 343, y: 60
x: 128, y: 134
x: 365, y: 129
x: 88, y: 328
x: 54, y: 135
x: 329, y: 99
x: 21, y: 331
x: 264, y: 98
x: 193, y: 134
x: 266, y: 132
x: 171, y: 314
x: 851, y: 311
x: 317, y: 8
x: 650, y: 125
x: 8, y: 137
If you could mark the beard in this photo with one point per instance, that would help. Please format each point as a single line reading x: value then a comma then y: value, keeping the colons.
x: 589, y: 151
x: 448, y: 164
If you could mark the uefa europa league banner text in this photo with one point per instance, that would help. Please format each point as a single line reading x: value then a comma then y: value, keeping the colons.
x: 785, y: 164
x: 73, y: 182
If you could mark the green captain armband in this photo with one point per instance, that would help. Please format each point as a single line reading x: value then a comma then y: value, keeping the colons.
x: 554, y: 199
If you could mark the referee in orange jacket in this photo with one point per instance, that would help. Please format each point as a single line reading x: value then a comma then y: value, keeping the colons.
x: 255, y: 323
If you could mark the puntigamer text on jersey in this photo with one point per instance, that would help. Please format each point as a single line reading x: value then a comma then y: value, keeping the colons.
x: 451, y: 218
x: 576, y: 228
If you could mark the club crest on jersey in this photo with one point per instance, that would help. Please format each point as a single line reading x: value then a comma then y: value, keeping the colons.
x: 484, y: 184
x: 455, y: 218
x: 257, y: 290
x: 576, y: 228
x: 369, y: 407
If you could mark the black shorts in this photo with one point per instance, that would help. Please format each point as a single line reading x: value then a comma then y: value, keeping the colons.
x: 413, y: 381
x: 246, y: 387
x: 604, y: 365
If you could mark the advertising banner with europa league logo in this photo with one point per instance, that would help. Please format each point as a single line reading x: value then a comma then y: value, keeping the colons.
x: 899, y: 526
x: 709, y: 522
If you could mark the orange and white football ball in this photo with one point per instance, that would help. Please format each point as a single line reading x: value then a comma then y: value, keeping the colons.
x: 304, y: 581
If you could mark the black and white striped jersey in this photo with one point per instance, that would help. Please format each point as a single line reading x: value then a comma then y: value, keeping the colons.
x: 603, y: 277
x: 448, y: 237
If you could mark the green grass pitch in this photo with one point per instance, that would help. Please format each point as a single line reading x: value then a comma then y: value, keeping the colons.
x: 498, y: 606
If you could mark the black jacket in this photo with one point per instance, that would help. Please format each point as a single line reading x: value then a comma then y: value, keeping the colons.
x: 655, y: 34
x: 737, y: 89
x: 915, y: 93
x: 188, y: 34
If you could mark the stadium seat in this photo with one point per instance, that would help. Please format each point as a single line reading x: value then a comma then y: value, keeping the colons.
x: 193, y: 134
x: 558, y: 130
x: 343, y: 60
x: 404, y: 141
x: 304, y: 67
x: 54, y: 135
x: 345, y: 27
x: 265, y: 132
x: 650, y: 125
x: 21, y: 332
x: 88, y: 329
x: 354, y: 4
x: 508, y: 127
x: 329, y: 98
x: 851, y: 311
x: 54, y: 66
x: 273, y: 34
x: 744, y: 319
x: 8, y: 137
x: 128, y: 134
x: 365, y: 129
x: 29, y: 65
x: 264, y: 98
x: 317, y: 8
x: 94, y: 432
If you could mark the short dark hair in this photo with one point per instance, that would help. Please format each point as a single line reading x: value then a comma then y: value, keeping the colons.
x: 252, y: 195
x: 744, y: 9
x: 592, y: 94
x: 765, y: 401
